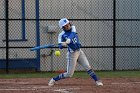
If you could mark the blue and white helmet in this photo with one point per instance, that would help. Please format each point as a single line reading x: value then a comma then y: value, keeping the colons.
x: 63, y: 22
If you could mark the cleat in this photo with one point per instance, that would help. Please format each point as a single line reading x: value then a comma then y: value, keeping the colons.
x: 52, y: 82
x: 99, y: 83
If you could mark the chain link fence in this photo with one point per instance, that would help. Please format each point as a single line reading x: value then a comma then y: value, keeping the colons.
x: 109, y: 31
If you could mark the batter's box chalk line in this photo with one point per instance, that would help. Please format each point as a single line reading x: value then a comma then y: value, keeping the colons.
x: 125, y: 83
x: 66, y: 90
x: 7, y: 82
x: 25, y: 88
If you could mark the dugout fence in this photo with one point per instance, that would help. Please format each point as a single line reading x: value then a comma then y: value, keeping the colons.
x: 109, y: 31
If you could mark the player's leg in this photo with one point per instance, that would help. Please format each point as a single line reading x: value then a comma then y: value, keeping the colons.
x: 71, y: 64
x: 82, y: 60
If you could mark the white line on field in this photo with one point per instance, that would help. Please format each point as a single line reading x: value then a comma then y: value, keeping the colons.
x: 14, y: 82
x: 67, y: 90
x: 125, y: 83
x: 16, y: 89
x: 25, y: 88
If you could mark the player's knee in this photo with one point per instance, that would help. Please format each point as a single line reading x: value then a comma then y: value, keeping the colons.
x: 69, y: 75
x: 88, y: 68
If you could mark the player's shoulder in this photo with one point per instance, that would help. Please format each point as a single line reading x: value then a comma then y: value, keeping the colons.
x: 62, y: 33
x: 73, y: 28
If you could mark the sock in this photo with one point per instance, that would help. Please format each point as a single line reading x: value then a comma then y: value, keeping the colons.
x: 92, y: 74
x: 60, y: 76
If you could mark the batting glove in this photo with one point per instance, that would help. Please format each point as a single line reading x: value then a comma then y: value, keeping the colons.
x: 64, y: 44
x: 68, y: 41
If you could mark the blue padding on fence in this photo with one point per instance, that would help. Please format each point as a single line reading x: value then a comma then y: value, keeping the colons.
x: 19, y: 63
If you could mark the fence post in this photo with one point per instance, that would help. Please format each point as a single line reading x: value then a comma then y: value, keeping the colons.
x: 23, y: 20
x: 114, y: 35
x: 7, y: 36
x: 37, y: 34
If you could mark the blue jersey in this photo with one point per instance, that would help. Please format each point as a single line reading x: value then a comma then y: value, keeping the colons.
x: 74, y: 40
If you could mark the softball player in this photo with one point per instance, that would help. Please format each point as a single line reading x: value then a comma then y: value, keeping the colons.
x: 68, y: 37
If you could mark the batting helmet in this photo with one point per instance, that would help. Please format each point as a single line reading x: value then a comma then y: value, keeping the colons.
x: 63, y: 22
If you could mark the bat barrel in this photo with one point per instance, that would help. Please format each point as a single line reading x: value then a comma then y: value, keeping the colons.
x: 42, y: 47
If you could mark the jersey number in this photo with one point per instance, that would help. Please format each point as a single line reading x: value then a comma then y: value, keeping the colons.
x: 74, y: 40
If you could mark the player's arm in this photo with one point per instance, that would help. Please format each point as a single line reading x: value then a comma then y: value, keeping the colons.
x: 61, y: 42
x: 72, y: 35
x: 64, y: 40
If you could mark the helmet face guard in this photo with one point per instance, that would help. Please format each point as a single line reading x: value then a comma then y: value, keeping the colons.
x: 63, y: 22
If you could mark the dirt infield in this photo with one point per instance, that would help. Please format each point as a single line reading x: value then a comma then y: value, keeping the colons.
x: 71, y: 85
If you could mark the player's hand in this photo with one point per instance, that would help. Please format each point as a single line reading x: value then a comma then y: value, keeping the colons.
x: 68, y: 41
x: 64, y: 44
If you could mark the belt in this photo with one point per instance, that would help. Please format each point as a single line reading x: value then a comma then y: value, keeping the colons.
x: 71, y: 51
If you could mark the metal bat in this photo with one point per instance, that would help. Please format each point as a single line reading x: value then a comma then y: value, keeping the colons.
x: 42, y: 47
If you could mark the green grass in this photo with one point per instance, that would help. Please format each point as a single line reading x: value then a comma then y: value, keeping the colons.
x: 28, y: 75
x: 102, y: 74
x: 111, y: 74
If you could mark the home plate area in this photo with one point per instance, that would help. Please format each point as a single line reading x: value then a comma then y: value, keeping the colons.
x: 71, y: 85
